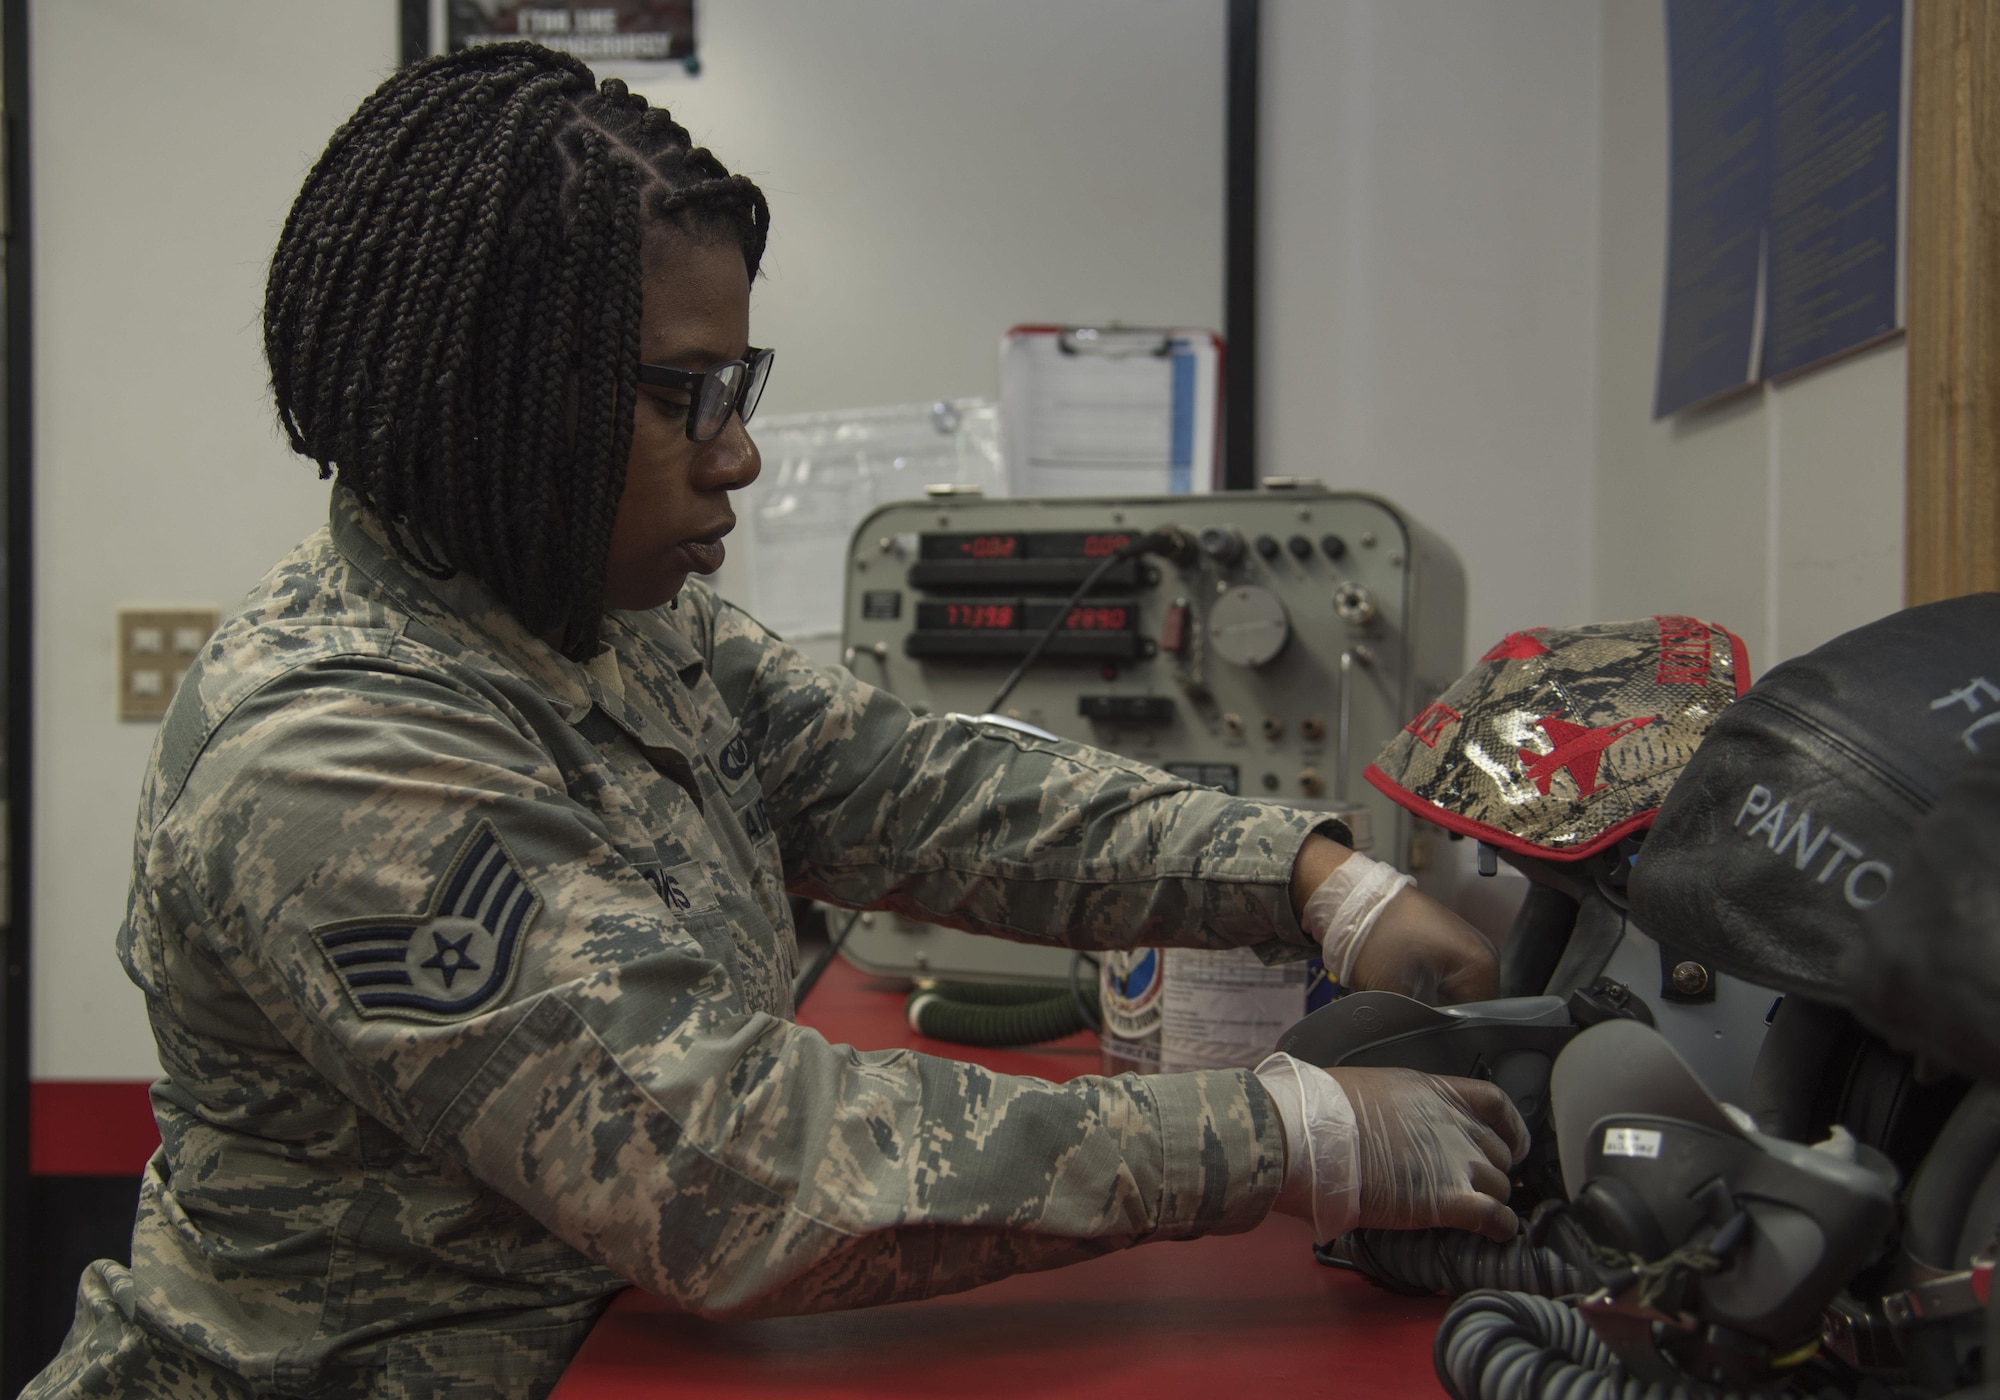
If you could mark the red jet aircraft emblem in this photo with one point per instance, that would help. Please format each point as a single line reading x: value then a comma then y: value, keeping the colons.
x: 1516, y: 646
x: 1577, y: 748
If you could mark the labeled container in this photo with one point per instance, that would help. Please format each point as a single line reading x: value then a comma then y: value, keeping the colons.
x: 1129, y: 982
x: 1224, y: 1008
x: 1172, y: 1009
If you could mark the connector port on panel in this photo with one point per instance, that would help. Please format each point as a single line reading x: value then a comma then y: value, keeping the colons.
x: 1126, y: 709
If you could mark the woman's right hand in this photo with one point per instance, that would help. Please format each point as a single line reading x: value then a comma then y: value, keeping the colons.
x: 1395, y: 1149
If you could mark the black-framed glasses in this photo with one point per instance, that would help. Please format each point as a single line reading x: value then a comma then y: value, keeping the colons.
x: 715, y: 393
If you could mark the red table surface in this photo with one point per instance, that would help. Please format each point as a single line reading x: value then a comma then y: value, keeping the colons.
x: 1188, y: 1318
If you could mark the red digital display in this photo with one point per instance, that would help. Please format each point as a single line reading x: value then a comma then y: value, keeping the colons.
x: 1020, y: 616
x: 981, y: 617
x: 1098, y: 619
x: 1022, y: 546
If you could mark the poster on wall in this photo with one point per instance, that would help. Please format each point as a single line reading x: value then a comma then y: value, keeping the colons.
x: 1785, y: 190
x: 1718, y: 56
x: 1836, y: 141
x: 648, y: 37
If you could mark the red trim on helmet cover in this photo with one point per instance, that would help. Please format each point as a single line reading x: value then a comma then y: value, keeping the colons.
x: 1493, y: 835
x: 1742, y: 659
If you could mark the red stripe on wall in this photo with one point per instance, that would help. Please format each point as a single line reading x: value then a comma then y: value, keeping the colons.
x: 89, y: 1127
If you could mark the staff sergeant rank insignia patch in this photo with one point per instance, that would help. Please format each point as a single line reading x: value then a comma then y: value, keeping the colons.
x: 456, y: 960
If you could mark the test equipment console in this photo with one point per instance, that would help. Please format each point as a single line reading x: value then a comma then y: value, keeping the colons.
x: 1271, y: 652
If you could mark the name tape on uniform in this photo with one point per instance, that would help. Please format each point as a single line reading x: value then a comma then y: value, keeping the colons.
x: 686, y: 889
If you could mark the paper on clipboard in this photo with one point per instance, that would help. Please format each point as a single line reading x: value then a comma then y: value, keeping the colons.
x: 1110, y: 411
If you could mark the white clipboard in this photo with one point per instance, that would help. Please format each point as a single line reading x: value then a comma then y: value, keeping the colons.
x: 1111, y: 410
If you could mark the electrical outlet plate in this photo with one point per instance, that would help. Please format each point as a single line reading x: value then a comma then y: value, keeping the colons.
x: 155, y: 648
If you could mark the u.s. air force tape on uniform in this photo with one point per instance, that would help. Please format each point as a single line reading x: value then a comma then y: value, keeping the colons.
x: 732, y: 760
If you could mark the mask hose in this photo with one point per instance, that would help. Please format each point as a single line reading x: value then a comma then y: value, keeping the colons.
x: 1451, y: 1262
x: 1513, y: 1346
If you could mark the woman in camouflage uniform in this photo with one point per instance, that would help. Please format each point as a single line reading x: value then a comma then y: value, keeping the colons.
x: 460, y: 884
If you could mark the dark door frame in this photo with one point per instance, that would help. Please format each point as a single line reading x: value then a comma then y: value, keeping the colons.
x: 17, y: 701
x: 1239, y: 244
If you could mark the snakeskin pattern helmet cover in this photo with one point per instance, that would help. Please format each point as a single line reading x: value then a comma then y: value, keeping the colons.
x: 1563, y: 741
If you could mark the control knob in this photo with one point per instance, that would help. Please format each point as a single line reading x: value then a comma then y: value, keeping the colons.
x: 1248, y: 626
x: 1222, y: 543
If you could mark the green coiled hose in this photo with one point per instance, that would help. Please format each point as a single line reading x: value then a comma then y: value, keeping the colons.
x: 978, y: 1013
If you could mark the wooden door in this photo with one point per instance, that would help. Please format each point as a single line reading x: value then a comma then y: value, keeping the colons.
x: 1952, y: 519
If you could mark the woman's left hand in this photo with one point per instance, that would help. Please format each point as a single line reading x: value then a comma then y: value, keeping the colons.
x: 1386, y: 938
x: 1423, y: 950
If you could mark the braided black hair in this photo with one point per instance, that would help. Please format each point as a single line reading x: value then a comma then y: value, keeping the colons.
x: 452, y: 314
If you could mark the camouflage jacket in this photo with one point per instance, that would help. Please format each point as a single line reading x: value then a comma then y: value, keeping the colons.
x: 469, y: 968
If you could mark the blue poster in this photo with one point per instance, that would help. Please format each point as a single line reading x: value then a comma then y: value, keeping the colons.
x: 1836, y: 142
x: 1718, y: 52
x: 1786, y: 134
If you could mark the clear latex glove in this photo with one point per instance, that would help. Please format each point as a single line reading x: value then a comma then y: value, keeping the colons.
x: 1394, y: 1149
x: 1377, y: 934
x: 1342, y: 911
x: 1423, y: 950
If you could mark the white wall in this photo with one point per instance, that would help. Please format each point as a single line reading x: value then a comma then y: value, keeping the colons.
x: 938, y: 170
x: 1780, y: 514
x: 1464, y: 213
x: 168, y: 143
x: 1429, y: 277
x: 941, y: 170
